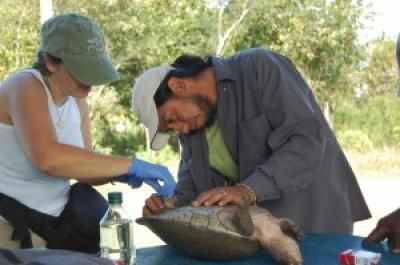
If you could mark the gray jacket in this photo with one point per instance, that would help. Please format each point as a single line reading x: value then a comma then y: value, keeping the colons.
x: 279, y: 138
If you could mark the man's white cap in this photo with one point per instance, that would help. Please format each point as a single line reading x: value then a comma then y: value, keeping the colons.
x: 144, y: 106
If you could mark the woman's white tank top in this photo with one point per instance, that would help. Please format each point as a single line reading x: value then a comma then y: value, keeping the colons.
x: 19, y: 178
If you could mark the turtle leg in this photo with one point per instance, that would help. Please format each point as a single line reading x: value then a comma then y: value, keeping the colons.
x: 283, y: 248
x: 291, y: 229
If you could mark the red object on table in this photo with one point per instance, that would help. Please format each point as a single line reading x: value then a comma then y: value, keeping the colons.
x: 359, y: 257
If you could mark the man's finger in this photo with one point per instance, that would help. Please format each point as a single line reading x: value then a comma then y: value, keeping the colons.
x: 377, y: 235
x: 226, y: 200
x: 394, y: 242
x: 215, y: 198
x: 146, y: 211
x: 174, y: 200
x: 201, y: 199
x: 154, y: 203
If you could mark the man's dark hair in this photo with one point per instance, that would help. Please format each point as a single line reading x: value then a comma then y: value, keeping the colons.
x: 40, y: 64
x: 188, y: 66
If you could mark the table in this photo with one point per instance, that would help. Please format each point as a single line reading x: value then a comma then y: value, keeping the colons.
x: 317, y: 249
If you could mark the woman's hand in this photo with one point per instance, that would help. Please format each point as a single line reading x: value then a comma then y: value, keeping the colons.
x: 156, y: 176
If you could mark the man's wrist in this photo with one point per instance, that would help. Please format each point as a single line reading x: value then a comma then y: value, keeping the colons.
x: 250, y: 192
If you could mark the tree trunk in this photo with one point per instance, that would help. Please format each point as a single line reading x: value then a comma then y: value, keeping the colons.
x: 46, y: 10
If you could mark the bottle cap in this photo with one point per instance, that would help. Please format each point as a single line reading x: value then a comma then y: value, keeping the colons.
x: 115, y: 197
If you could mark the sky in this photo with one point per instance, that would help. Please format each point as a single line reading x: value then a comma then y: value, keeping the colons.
x: 386, y: 19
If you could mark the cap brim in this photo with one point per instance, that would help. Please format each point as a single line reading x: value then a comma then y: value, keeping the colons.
x: 157, y: 140
x: 95, y: 70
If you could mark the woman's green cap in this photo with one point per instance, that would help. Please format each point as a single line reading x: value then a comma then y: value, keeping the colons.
x: 79, y: 42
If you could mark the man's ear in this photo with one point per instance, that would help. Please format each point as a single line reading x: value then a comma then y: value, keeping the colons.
x: 177, y: 85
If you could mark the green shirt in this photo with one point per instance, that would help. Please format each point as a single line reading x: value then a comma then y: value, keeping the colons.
x: 219, y: 156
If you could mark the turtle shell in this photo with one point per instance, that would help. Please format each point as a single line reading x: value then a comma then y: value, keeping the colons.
x: 209, y: 233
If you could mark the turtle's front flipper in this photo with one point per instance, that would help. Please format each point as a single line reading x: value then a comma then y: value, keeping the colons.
x: 242, y: 219
x: 291, y: 229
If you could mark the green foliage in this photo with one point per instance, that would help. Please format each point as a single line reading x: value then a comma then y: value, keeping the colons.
x: 396, y: 134
x: 355, y: 140
x: 167, y: 154
x: 147, y: 33
x: 372, y: 122
x: 114, y: 131
x: 381, y: 73
x: 320, y: 36
x: 19, y: 38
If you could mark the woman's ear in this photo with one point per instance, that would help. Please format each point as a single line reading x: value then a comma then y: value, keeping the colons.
x: 51, y: 67
x: 177, y: 85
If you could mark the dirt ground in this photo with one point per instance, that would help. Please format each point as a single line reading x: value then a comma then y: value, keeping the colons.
x: 378, y: 175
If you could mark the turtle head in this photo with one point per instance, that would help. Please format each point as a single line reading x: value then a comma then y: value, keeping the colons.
x: 242, y: 218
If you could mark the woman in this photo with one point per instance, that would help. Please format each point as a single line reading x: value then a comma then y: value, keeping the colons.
x: 45, y: 134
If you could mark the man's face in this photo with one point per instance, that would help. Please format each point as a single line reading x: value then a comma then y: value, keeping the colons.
x: 186, y: 114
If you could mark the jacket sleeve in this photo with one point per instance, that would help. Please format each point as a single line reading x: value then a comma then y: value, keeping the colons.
x: 297, y: 137
x: 185, y: 189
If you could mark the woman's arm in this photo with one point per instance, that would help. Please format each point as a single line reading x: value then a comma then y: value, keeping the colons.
x: 28, y: 109
x: 87, y: 137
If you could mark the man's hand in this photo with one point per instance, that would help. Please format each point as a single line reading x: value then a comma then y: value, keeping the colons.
x: 154, y: 204
x: 388, y: 227
x: 224, y: 195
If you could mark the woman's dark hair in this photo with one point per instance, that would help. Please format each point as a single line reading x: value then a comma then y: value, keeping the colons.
x: 40, y: 64
x: 188, y: 66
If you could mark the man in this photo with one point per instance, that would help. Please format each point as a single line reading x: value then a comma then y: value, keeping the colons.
x: 389, y: 226
x: 249, y: 125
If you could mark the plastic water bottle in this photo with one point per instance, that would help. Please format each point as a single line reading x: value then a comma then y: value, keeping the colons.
x: 116, y: 233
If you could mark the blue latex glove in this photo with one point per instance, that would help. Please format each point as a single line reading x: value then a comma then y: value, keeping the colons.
x: 151, y: 174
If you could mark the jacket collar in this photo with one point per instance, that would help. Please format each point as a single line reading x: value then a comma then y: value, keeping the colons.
x: 223, y: 71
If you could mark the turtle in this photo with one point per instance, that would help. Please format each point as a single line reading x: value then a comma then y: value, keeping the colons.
x: 228, y: 232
